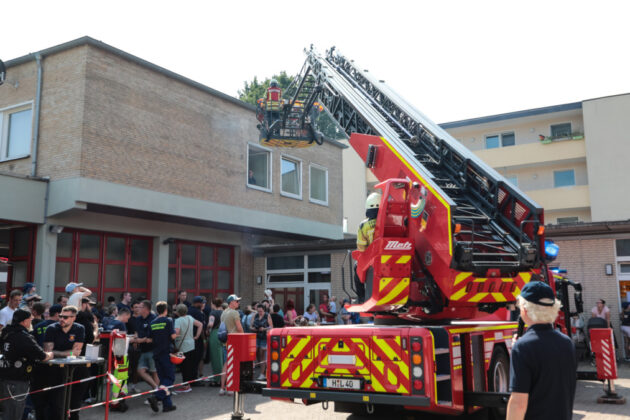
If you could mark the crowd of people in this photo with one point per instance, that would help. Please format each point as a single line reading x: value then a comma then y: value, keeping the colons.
x: 33, y: 331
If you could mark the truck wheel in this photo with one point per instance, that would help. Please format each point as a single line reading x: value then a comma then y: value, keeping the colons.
x: 499, y: 378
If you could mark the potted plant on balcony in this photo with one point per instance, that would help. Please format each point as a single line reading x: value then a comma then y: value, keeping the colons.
x: 577, y: 135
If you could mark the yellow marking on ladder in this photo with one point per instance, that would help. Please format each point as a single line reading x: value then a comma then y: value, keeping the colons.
x: 480, y: 279
x: 404, y: 259
x: 526, y: 277
x: 499, y: 297
x: 461, y: 277
x: 459, y: 294
x: 404, y: 283
x: 507, y: 279
x: 384, y: 282
x: 478, y: 297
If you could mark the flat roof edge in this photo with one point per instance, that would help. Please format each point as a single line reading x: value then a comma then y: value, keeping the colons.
x: 512, y: 115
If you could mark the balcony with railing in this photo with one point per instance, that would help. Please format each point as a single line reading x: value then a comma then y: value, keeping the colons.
x: 546, y: 151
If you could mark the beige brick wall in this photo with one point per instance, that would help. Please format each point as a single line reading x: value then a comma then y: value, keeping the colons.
x: 61, y: 126
x: 147, y: 130
x: 585, y: 260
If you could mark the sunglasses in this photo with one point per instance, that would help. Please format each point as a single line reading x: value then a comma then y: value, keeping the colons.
x: 66, y: 316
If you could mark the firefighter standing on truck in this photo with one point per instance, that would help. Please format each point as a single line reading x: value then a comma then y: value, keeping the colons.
x: 365, y: 236
x: 20, y: 351
x: 273, y: 101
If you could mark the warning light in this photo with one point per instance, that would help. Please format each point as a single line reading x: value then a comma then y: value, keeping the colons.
x: 416, y: 359
x: 541, y: 230
x: 274, y: 345
x: 416, y: 346
x: 274, y: 355
x: 458, y: 227
x: 274, y: 377
x: 417, y: 384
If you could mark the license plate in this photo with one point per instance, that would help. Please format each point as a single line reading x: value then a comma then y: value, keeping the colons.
x: 342, y: 383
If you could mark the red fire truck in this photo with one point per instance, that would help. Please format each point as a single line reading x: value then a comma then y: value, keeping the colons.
x: 453, y: 245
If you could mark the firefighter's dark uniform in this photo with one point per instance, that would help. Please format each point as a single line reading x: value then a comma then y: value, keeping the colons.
x: 19, y: 354
x: 161, y: 331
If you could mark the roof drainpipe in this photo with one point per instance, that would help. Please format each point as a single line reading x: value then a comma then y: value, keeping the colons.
x: 38, y: 98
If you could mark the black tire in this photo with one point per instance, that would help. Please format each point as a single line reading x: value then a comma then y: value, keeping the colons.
x: 499, y: 378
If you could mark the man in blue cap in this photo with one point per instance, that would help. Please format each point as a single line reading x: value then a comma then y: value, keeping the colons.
x: 543, y: 363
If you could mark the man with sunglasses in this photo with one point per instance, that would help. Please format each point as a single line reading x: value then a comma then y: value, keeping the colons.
x: 66, y: 338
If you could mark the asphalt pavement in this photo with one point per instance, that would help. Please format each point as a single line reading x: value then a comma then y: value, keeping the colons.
x: 204, y: 403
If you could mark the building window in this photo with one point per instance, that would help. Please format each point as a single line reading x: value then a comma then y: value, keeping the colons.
x: 561, y: 130
x: 504, y: 140
x: 563, y: 178
x: 200, y: 269
x: 508, y: 139
x: 302, y: 278
x: 258, y: 167
x: 492, y: 142
x: 623, y: 247
x: 567, y: 220
x: 319, y: 185
x: 106, y: 263
x: 15, y: 132
x: 291, y: 171
x: 624, y: 268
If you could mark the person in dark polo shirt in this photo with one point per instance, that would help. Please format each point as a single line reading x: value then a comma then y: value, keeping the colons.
x: 66, y: 338
x: 162, y: 334
x: 40, y: 329
x: 146, y: 365
x: 543, y: 364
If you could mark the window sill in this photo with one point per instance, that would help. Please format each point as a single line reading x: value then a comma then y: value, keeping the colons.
x: 291, y: 195
x: 9, y: 159
x: 256, y: 187
x: 318, y: 202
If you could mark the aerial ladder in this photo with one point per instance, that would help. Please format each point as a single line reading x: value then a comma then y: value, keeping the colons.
x: 453, y: 245
x: 475, y: 241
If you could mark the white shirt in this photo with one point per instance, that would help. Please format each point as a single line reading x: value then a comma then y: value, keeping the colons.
x: 6, y: 316
x: 75, y: 299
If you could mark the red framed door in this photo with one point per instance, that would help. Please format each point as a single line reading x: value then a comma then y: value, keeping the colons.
x: 201, y: 269
x: 106, y: 263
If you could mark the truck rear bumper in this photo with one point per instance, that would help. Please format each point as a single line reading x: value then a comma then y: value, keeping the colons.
x: 354, y: 397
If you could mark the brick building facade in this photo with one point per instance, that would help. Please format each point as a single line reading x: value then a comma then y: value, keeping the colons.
x: 126, y: 176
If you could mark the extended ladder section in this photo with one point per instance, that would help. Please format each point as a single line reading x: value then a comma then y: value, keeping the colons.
x: 495, y: 226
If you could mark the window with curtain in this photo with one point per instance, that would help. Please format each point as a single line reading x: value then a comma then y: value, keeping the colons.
x: 290, y: 173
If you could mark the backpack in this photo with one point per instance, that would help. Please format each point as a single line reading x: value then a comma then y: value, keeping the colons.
x: 222, y: 333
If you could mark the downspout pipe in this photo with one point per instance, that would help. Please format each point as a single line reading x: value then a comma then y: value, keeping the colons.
x: 38, y: 98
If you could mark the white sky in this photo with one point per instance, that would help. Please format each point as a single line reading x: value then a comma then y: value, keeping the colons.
x: 451, y: 59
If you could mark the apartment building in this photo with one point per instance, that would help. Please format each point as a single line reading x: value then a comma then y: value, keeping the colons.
x: 123, y: 175
x: 572, y: 160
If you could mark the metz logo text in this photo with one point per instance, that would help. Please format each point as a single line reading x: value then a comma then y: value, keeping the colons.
x: 402, y: 246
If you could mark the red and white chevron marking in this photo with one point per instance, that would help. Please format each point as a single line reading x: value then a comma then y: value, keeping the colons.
x: 607, y: 357
x: 229, y: 372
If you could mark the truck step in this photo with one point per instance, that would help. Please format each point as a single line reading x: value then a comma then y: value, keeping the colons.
x: 440, y: 378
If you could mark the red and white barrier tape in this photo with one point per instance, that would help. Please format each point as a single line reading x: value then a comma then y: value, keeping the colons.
x: 151, y: 391
x: 78, y: 381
